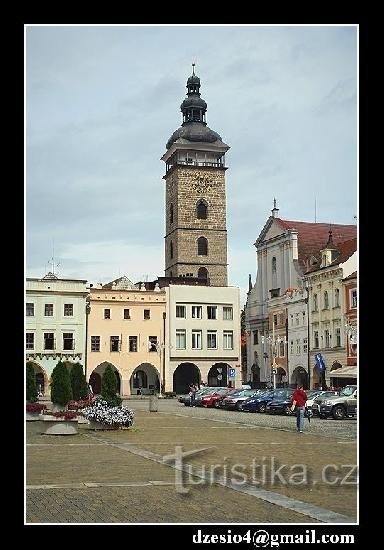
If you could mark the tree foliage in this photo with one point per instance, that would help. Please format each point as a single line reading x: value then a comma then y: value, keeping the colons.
x: 109, y: 387
x: 61, y: 390
x: 31, y: 392
x: 78, y: 382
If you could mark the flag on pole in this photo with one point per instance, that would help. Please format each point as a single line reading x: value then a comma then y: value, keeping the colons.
x: 320, y: 362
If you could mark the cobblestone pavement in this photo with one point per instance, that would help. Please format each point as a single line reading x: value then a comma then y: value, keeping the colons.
x: 343, y: 429
x: 120, y: 476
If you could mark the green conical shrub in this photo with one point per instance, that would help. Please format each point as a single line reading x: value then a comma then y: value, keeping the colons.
x: 78, y: 382
x: 31, y: 392
x: 109, y: 387
x: 61, y: 391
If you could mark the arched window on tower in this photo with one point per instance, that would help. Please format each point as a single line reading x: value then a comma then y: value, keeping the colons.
x: 171, y: 249
x: 202, y: 273
x: 274, y: 273
x: 202, y: 246
x: 171, y: 214
x: 202, y: 210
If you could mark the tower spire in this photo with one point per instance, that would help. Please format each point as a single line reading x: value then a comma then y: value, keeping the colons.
x: 330, y: 241
x: 275, y: 210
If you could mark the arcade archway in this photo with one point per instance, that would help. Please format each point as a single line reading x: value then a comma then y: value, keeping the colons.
x: 184, y: 375
x: 218, y: 375
x: 300, y: 376
x: 96, y: 375
x: 42, y: 382
x: 145, y: 379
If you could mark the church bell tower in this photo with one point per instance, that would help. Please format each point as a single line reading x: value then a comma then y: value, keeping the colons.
x: 195, y: 202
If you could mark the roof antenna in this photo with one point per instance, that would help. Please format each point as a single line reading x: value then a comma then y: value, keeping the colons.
x: 193, y: 68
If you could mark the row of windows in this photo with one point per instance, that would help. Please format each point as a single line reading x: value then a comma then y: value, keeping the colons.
x: 336, y: 299
x: 115, y: 343
x: 202, y: 273
x: 48, y: 310
x: 196, y: 339
x: 326, y: 339
x: 68, y: 342
x: 201, y: 211
x: 127, y: 313
x: 297, y: 350
x: 295, y: 320
x: 211, y: 312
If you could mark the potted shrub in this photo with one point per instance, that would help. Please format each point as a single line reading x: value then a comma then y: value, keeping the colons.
x: 61, y: 390
x: 60, y: 421
x: 104, y: 417
x: 78, y: 382
x: 31, y: 390
x: 109, y: 387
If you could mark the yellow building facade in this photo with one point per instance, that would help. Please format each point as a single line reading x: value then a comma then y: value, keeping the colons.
x: 125, y: 328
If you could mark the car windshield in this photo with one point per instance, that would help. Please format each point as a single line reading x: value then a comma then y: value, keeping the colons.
x: 312, y: 393
x: 348, y: 390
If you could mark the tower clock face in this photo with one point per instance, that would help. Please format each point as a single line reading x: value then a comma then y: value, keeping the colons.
x: 202, y: 182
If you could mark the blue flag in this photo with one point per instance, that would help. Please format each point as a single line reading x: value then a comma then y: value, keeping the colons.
x: 320, y: 362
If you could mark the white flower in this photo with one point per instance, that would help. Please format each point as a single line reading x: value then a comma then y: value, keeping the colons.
x: 116, y: 416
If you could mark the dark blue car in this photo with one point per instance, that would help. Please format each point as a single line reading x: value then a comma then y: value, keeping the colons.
x: 259, y: 403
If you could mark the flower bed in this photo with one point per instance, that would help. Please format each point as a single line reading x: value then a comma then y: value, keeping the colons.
x: 110, y: 417
x: 35, y: 407
x: 78, y: 405
x: 33, y: 411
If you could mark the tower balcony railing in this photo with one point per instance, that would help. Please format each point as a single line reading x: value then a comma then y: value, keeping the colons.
x: 190, y: 162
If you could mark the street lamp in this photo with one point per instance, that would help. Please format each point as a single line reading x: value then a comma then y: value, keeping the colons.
x: 273, y: 342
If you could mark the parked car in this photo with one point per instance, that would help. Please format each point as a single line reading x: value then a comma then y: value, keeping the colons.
x: 186, y: 399
x: 340, y: 406
x: 281, y: 402
x: 259, y: 402
x: 315, y: 396
x: 235, y: 400
x: 322, y: 395
x: 216, y: 398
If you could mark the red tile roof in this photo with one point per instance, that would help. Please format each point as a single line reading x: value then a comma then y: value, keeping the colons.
x: 312, y: 237
x: 351, y: 276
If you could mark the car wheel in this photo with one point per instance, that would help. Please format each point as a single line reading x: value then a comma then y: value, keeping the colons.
x: 217, y: 404
x: 238, y: 406
x: 338, y: 413
x: 287, y: 410
x: 262, y: 408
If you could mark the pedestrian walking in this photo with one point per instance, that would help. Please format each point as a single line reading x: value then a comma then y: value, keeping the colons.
x: 299, y: 399
x: 192, y: 393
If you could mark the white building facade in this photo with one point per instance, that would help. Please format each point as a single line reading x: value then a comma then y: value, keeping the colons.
x: 297, y: 315
x: 203, y: 337
x: 55, y: 324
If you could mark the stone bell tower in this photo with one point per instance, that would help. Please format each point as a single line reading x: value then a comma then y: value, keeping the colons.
x: 195, y: 203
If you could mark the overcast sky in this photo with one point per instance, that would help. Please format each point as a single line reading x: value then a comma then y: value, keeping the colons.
x: 101, y: 103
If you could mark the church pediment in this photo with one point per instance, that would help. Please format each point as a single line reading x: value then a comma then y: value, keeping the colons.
x: 271, y: 229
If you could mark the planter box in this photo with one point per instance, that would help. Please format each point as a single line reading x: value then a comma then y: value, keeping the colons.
x: 59, y: 426
x: 32, y: 416
x: 94, y: 425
